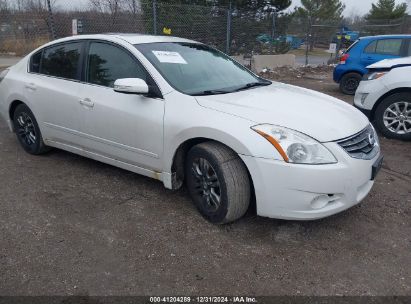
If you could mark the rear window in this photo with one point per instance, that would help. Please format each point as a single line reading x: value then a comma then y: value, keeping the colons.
x: 351, y: 46
x: 370, y: 49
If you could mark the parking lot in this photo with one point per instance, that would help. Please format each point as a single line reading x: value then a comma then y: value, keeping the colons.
x: 74, y: 226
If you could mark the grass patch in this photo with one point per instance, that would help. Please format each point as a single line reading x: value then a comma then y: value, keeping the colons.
x: 21, y: 46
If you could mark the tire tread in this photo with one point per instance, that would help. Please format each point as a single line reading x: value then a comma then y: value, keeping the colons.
x: 236, y: 179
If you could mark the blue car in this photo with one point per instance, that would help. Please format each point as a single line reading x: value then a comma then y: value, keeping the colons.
x: 365, y: 51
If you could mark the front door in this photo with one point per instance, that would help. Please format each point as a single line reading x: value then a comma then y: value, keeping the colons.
x: 124, y: 127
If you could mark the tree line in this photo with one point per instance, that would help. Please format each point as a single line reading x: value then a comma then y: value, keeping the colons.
x: 315, y: 10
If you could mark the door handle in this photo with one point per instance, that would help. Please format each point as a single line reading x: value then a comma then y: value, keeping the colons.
x: 31, y: 86
x: 87, y: 102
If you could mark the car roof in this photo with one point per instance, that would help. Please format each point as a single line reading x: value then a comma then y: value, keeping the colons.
x: 384, y: 36
x: 131, y: 38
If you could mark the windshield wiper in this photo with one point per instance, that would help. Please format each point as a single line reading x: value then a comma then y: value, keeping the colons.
x: 211, y: 92
x: 252, y: 85
x: 244, y: 87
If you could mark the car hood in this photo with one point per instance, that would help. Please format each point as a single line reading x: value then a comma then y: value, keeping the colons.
x: 389, y: 63
x: 318, y: 115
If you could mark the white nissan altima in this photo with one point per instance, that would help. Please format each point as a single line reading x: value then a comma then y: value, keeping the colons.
x: 179, y: 111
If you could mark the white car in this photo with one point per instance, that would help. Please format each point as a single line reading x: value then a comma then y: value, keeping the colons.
x: 179, y: 111
x: 384, y: 95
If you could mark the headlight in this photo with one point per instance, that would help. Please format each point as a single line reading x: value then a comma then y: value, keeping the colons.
x: 377, y: 140
x: 374, y: 75
x: 295, y: 147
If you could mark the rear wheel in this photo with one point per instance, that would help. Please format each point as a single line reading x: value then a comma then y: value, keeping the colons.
x: 393, y: 116
x: 349, y: 83
x: 27, y: 131
x: 218, y: 182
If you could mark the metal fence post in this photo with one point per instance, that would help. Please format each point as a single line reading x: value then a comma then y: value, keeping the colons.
x: 228, y: 38
x: 155, y: 17
x: 272, y: 31
x: 51, y: 20
x: 308, y: 39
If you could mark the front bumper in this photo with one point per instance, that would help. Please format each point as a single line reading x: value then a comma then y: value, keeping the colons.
x: 337, y: 72
x: 308, y: 192
x: 367, y: 95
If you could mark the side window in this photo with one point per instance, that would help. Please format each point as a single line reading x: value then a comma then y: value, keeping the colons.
x: 409, y: 48
x: 107, y: 63
x: 370, y: 49
x: 35, y: 62
x: 62, y: 60
x: 389, y: 47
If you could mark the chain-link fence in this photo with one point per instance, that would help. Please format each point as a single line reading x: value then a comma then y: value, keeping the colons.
x: 26, y: 24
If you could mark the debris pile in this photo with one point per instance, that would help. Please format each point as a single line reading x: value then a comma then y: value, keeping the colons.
x: 289, y: 73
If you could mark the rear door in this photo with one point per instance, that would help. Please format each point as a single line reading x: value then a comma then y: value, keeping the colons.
x: 381, y: 49
x: 54, y: 88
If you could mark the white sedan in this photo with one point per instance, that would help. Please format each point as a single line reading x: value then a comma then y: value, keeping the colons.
x: 384, y: 95
x: 179, y: 111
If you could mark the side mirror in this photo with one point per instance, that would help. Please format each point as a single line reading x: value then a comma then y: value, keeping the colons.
x: 131, y: 86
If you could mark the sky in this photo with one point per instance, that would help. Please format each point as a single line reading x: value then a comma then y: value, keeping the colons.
x: 358, y: 7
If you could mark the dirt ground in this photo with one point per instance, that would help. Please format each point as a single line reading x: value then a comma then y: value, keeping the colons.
x: 73, y: 226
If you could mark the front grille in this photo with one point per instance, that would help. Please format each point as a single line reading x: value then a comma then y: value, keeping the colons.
x: 363, y: 145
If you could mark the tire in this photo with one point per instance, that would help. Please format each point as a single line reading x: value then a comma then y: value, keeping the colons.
x: 28, y: 131
x: 212, y: 164
x: 349, y: 83
x: 387, y: 121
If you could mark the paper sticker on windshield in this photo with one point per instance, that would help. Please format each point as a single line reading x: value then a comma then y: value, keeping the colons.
x: 169, y: 57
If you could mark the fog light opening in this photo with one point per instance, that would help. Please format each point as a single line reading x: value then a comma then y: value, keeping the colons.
x: 323, y: 200
x: 363, y: 98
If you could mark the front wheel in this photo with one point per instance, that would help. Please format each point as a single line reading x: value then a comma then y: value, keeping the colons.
x: 349, y: 83
x: 28, y: 131
x: 393, y: 116
x: 218, y: 182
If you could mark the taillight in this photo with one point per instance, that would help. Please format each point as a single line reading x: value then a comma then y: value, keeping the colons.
x: 3, y: 74
x: 344, y: 58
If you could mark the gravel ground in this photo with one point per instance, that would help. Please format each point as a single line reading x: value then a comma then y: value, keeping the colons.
x: 73, y: 226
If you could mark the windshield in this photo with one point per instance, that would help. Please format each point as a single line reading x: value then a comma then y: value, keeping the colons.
x: 196, y: 69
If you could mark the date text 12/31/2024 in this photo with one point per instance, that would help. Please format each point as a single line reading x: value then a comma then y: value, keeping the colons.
x: 201, y: 299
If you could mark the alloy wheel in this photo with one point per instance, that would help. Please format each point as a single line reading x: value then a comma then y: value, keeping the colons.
x: 207, y: 184
x: 25, y: 129
x: 397, y: 117
x: 352, y: 84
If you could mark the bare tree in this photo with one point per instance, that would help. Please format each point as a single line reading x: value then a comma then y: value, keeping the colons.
x: 133, y: 6
x: 28, y: 5
x: 112, y: 7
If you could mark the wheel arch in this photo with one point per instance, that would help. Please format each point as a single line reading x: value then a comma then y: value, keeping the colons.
x: 386, y: 95
x: 355, y: 71
x: 12, y: 108
x: 178, y: 160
